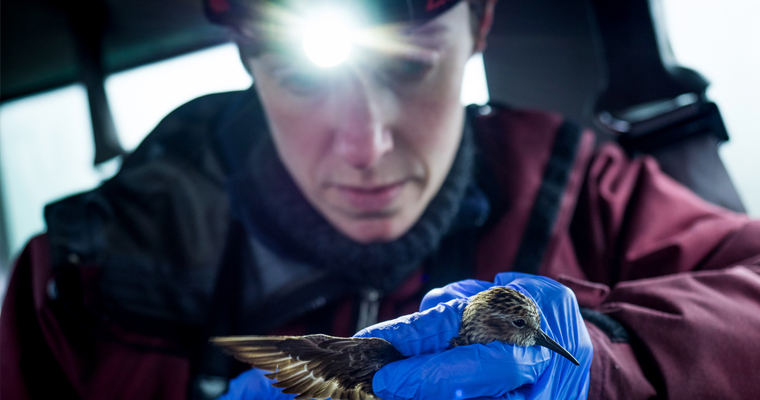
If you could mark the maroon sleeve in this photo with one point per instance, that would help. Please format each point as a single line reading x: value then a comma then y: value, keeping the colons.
x: 696, y: 335
x: 27, y: 364
x: 633, y: 222
x: 684, y: 281
x: 46, y: 354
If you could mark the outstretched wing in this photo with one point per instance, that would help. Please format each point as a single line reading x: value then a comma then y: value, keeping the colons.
x: 315, y: 366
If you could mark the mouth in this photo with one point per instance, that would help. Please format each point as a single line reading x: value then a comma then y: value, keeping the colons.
x: 370, y: 199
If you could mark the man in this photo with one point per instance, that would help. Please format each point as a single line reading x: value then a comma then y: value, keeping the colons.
x: 324, y: 200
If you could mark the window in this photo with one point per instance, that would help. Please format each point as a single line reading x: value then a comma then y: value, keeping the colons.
x: 721, y: 40
x: 46, y: 145
x: 46, y: 152
x: 474, y: 84
x: 141, y: 97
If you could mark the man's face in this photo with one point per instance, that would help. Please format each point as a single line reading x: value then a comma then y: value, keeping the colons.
x: 370, y: 143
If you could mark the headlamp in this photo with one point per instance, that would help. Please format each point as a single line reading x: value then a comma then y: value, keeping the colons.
x: 328, y: 36
x: 242, y: 15
x: 327, y: 29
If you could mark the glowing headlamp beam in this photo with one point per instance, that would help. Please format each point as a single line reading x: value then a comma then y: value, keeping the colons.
x: 328, y: 37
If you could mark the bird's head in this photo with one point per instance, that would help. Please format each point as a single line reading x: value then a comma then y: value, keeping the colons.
x: 506, y: 315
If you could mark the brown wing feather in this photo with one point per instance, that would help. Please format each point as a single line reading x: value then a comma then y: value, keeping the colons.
x: 315, y: 366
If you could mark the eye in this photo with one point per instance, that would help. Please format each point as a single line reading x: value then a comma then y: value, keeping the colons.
x: 303, y: 83
x: 406, y: 70
x: 518, y: 323
x: 400, y: 70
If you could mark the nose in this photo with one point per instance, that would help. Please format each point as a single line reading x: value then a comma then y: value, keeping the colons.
x: 362, y: 135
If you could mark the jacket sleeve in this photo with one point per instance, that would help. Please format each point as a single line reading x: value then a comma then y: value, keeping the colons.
x: 27, y: 364
x: 49, y: 353
x: 680, y: 275
x: 633, y: 222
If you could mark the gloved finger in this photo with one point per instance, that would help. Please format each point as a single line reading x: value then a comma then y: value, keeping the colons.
x: 471, y: 287
x: 423, y: 332
x: 253, y: 385
x: 503, y: 278
x: 464, y: 372
x: 456, y: 290
x: 545, y: 291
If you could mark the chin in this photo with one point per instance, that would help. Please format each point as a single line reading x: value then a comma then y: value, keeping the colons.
x: 375, y: 230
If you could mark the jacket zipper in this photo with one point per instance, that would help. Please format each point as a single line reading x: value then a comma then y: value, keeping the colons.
x: 368, y: 308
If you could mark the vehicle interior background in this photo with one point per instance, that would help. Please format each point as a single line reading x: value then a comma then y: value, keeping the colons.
x: 593, y: 60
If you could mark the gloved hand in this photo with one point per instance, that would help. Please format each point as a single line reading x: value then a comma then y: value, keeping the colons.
x: 479, y: 371
x: 253, y: 385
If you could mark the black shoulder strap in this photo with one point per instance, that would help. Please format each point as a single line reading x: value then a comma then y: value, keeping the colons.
x: 211, y: 367
x: 546, y: 207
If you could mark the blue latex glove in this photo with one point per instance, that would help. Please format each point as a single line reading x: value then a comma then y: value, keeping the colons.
x: 479, y: 371
x: 253, y: 385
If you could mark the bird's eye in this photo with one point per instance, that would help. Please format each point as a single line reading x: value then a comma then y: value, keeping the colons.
x: 518, y: 323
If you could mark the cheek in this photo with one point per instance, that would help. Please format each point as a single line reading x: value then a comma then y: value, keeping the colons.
x: 296, y: 132
x: 292, y: 121
x: 436, y: 116
x: 438, y: 100
x: 438, y: 135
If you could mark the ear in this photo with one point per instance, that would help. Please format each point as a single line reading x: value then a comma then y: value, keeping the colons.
x: 485, y: 26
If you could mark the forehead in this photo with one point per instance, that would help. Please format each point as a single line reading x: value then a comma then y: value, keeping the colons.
x: 510, y: 301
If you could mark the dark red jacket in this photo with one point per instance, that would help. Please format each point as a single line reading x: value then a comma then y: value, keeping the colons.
x: 110, y: 315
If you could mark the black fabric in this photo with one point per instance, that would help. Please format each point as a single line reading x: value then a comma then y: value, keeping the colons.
x: 546, y: 207
x: 153, y: 233
x: 658, y: 134
x: 237, y: 130
x: 610, y: 326
x: 454, y: 261
x: 455, y: 258
x: 226, y: 305
x: 222, y: 316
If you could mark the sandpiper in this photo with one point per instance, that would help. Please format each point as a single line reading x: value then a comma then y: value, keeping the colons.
x: 321, y: 366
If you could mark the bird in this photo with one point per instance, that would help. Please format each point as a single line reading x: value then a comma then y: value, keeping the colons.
x: 322, y: 366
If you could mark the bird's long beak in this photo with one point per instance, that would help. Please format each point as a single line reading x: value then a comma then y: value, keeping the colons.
x: 544, y: 340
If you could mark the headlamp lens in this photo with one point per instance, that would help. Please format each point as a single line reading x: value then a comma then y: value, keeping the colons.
x: 328, y: 37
